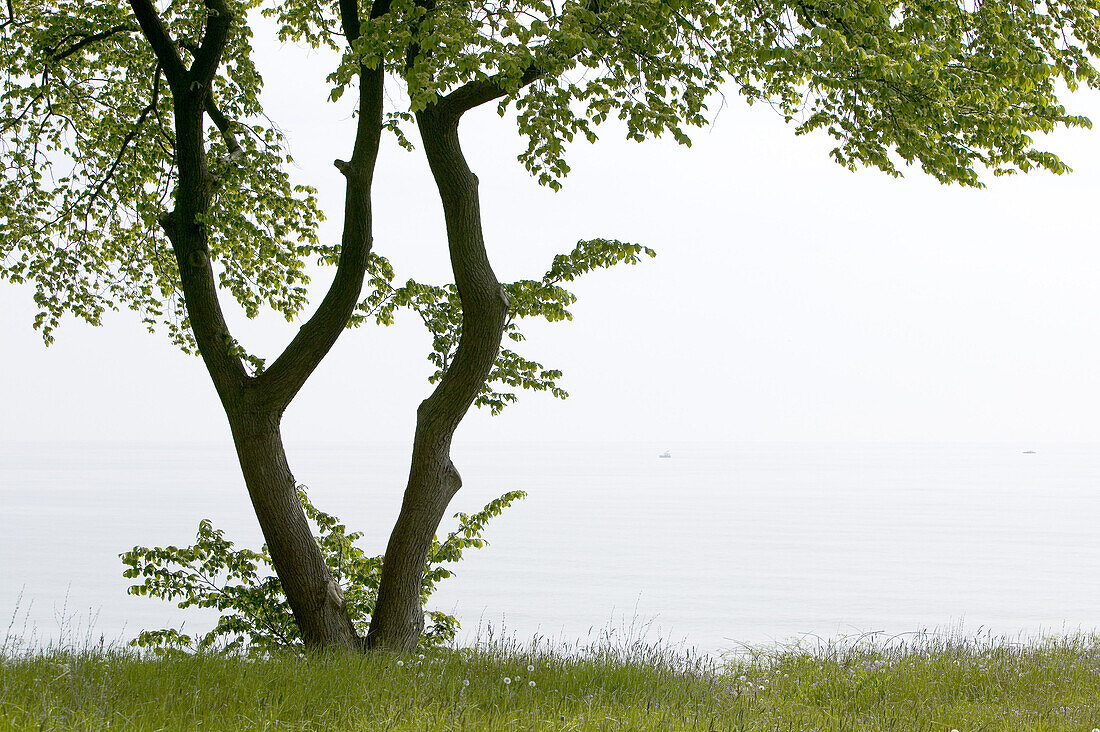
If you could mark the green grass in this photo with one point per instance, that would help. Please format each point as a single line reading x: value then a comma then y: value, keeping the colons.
x: 921, y: 684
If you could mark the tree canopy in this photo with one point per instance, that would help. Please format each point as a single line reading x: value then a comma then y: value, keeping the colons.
x: 89, y: 163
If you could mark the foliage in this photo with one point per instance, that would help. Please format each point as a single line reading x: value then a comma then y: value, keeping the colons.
x: 240, y: 583
x: 88, y: 161
x: 953, y: 85
x: 441, y: 311
x: 88, y: 166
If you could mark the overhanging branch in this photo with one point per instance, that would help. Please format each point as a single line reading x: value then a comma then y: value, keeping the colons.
x: 93, y: 38
x: 478, y: 92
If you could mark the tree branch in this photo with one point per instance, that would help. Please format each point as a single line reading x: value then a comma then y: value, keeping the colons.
x: 282, y: 380
x: 184, y: 223
x: 349, y: 19
x: 209, y: 53
x: 379, y: 8
x: 94, y: 38
x: 11, y: 16
x: 223, y: 124
x: 478, y: 92
x: 131, y: 135
x: 163, y: 45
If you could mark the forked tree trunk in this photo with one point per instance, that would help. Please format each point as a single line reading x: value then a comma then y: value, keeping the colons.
x: 398, y: 618
x: 254, y: 405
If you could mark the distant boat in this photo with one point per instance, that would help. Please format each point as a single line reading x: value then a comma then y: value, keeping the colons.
x: 665, y: 454
x: 1029, y: 452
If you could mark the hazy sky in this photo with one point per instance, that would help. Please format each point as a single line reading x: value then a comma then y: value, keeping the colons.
x: 790, y: 300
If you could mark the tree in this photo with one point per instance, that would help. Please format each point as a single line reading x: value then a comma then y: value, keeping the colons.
x: 174, y: 184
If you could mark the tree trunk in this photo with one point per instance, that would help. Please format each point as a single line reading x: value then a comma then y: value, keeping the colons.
x: 398, y: 617
x: 314, y: 597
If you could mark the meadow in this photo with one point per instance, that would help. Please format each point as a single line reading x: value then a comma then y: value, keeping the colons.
x: 915, y: 683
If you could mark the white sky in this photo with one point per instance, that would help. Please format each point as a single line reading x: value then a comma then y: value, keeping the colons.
x: 790, y: 299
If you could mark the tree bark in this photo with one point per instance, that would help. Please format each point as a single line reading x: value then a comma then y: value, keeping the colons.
x: 314, y: 597
x: 398, y: 618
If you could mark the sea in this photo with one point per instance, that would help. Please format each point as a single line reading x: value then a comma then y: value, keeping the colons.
x: 718, y: 548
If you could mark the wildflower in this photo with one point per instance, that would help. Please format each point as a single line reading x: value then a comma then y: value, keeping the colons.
x: 400, y: 663
x: 507, y: 680
x: 465, y: 682
x: 531, y: 683
x: 530, y: 669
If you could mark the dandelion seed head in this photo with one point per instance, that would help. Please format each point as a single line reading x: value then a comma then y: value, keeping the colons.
x: 531, y: 683
x: 530, y: 669
x: 400, y: 663
x: 507, y: 680
x: 465, y: 682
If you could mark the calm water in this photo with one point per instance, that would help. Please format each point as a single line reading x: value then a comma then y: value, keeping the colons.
x: 719, y: 545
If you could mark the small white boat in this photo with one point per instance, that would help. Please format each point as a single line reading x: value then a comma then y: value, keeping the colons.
x: 665, y: 454
x: 1029, y: 452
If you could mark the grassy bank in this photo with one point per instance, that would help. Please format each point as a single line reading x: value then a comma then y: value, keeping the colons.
x: 925, y: 684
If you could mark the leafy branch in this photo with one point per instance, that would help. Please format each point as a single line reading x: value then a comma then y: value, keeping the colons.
x: 241, y: 584
x: 440, y: 309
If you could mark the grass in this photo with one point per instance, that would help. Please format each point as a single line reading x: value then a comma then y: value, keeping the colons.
x: 924, y: 683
